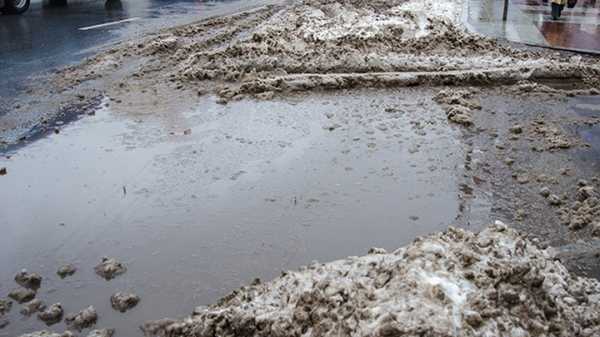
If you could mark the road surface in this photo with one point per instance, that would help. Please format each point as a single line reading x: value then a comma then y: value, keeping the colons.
x: 46, y: 38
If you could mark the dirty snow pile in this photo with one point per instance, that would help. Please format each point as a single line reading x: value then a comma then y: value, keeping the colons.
x: 314, y: 43
x: 357, y: 36
x: 457, y: 283
x: 459, y: 104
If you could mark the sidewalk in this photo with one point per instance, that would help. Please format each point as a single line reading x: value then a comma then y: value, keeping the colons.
x: 529, y: 21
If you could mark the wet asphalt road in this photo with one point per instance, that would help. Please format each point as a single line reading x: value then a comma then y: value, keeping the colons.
x: 49, y: 37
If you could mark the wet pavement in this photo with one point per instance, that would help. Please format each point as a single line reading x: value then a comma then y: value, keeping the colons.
x: 50, y: 37
x: 519, y: 202
x: 197, y: 204
x: 589, y: 107
x: 529, y: 21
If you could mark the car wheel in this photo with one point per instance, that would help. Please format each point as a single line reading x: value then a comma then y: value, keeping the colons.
x: 15, y: 6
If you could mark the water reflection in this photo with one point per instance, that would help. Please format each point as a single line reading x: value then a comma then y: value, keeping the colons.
x: 571, y: 34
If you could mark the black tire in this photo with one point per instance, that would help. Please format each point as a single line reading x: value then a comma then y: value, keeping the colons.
x: 15, y: 6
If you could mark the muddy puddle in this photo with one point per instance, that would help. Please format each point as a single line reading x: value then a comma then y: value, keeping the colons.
x: 197, y: 204
x: 589, y: 107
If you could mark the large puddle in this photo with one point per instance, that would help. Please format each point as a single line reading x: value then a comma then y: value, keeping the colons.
x: 200, y: 203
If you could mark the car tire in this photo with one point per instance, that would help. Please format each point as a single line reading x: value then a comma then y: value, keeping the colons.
x: 15, y: 6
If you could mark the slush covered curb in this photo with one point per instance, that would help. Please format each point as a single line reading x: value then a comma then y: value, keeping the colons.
x: 494, y: 76
x: 456, y: 283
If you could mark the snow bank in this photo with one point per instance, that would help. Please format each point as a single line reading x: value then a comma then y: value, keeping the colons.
x: 347, y: 43
x: 343, y: 36
x: 457, y: 283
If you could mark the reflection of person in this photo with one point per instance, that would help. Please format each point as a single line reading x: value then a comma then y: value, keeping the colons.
x: 557, y: 7
x: 589, y: 3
